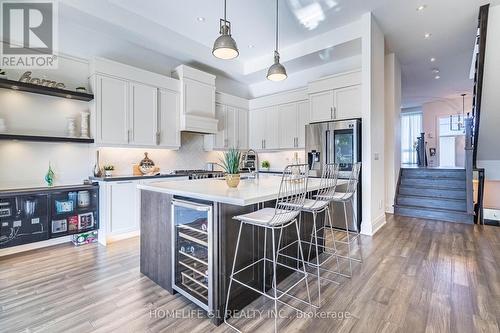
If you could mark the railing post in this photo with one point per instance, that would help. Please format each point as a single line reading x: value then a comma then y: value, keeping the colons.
x: 469, y: 167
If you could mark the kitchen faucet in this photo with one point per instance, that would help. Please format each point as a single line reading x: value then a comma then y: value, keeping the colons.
x: 255, y: 173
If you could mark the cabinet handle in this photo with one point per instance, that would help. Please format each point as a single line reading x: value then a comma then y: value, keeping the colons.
x: 158, y: 137
x: 331, y: 113
x: 128, y: 135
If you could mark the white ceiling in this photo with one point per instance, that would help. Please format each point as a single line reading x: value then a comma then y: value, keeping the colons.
x: 171, y: 28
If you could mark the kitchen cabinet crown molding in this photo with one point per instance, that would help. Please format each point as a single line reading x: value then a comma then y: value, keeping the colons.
x: 289, y: 96
x: 182, y: 72
x: 231, y: 100
x: 115, y: 69
x: 335, y: 81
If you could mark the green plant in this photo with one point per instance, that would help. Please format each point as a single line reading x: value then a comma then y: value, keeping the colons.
x: 265, y: 164
x: 230, y: 161
x: 2, y: 72
x: 108, y: 167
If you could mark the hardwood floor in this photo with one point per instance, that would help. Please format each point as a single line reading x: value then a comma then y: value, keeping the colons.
x: 417, y: 276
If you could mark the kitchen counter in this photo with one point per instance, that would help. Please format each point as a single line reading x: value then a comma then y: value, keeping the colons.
x: 118, y: 178
x: 249, y: 191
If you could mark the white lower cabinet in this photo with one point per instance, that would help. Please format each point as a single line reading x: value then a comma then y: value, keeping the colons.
x: 120, y: 207
x: 122, y: 204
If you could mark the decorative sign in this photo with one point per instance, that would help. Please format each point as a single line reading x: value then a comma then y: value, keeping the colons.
x: 26, y: 77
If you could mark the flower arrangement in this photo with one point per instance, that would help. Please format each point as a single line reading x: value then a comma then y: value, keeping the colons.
x: 108, y: 170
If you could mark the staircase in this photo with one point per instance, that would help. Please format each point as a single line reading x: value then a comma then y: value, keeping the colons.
x: 429, y: 193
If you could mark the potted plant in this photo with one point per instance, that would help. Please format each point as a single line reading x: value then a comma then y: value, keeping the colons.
x: 230, y: 162
x: 265, y: 165
x: 108, y: 170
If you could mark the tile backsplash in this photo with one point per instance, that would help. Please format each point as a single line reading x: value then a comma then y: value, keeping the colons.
x: 191, y: 155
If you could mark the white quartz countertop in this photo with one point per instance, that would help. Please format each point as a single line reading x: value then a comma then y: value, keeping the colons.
x: 248, y: 192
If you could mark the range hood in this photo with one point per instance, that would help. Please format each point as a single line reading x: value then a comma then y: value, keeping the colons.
x: 197, y: 109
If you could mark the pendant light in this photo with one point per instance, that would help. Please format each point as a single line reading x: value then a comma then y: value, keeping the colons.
x: 225, y: 46
x: 277, y: 71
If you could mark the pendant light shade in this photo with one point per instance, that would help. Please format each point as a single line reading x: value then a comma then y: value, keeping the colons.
x: 225, y: 46
x: 277, y: 71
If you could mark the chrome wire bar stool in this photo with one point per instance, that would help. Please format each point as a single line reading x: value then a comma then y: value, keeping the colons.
x: 344, y: 198
x: 320, y: 204
x: 289, y: 203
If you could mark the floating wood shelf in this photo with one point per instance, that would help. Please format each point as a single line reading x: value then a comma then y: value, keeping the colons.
x: 42, y: 90
x: 43, y: 138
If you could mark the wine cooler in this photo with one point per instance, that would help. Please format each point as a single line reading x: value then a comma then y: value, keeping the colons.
x: 192, y: 251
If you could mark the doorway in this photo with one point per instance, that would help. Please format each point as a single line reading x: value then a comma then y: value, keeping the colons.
x: 411, y: 127
x: 451, y: 149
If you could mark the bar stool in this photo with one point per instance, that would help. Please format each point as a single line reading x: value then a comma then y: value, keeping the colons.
x: 290, y: 200
x: 344, y: 198
x: 319, y: 204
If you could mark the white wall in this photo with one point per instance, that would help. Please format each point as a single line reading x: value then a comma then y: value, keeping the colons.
x: 392, y: 128
x: 431, y: 113
x: 488, y: 155
x: 373, y: 169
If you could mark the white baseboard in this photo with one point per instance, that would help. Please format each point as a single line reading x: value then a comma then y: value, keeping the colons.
x: 34, y: 246
x: 119, y: 237
x: 389, y: 210
x: 378, y: 223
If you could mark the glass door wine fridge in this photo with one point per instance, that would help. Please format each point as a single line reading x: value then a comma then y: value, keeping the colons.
x: 192, y: 251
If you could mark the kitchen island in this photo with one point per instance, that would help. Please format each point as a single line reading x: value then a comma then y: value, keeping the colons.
x: 188, y: 237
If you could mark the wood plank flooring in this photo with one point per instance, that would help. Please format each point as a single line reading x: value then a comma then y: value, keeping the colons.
x: 417, y: 276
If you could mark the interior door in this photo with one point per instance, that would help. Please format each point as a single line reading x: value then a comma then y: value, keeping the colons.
x: 143, y: 114
x: 347, y: 102
x: 288, y: 125
x: 321, y: 106
x: 112, y: 110
x: 169, y: 135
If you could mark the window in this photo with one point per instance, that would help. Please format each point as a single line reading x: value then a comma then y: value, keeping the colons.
x: 411, y: 127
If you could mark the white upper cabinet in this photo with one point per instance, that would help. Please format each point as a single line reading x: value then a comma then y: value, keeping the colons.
x: 168, y: 119
x: 231, y: 113
x: 134, y: 107
x: 347, y: 102
x: 257, y: 122
x: 288, y: 124
x: 302, y: 121
x: 143, y: 114
x: 111, y: 110
x: 335, y: 97
x: 321, y: 106
x: 242, y: 131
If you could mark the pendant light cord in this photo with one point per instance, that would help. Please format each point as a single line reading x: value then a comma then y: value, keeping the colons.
x: 277, y: 26
x: 225, y: 12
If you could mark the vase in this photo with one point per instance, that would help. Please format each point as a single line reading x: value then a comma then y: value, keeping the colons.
x: 84, y: 124
x: 97, y: 166
x: 146, y: 165
x: 232, y: 180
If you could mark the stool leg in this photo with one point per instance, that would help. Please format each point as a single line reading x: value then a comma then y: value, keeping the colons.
x: 265, y: 261
x: 274, y: 286
x: 348, y: 240
x: 333, y: 237
x: 315, y: 232
x: 303, y: 264
x: 354, y: 217
x: 231, y: 279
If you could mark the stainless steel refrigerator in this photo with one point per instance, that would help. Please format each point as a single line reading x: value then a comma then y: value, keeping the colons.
x: 336, y: 142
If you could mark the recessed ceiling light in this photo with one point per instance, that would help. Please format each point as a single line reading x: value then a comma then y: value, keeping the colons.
x: 251, y: 46
x: 421, y: 8
x: 200, y: 19
x: 427, y: 35
x: 433, y: 59
x: 437, y: 77
x: 435, y: 70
